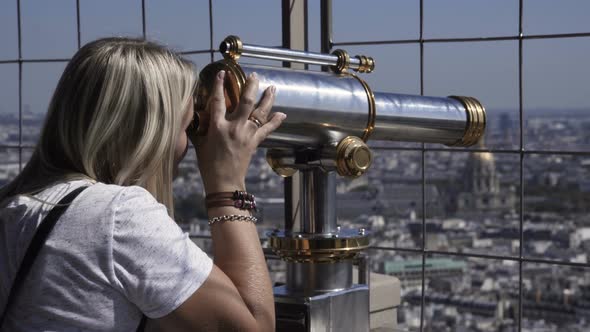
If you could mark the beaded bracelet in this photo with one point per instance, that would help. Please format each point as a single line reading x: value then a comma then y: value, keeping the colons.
x: 239, y: 199
x: 232, y: 217
x: 240, y: 204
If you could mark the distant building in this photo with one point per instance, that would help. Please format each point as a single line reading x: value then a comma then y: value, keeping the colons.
x: 481, y: 188
x: 409, y: 272
x: 580, y: 235
x: 507, y: 130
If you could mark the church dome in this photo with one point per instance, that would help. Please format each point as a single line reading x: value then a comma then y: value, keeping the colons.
x: 484, y: 160
x: 480, y: 172
x: 481, y: 161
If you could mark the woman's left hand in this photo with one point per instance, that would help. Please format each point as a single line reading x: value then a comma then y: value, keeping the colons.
x: 225, y: 152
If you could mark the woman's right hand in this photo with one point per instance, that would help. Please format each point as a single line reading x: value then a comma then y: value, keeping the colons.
x: 225, y: 152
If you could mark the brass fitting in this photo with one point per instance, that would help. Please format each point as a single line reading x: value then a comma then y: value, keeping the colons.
x: 353, y: 157
x: 276, y: 166
x: 343, y: 60
x: 231, y: 48
x: 372, y: 108
x: 476, y: 121
x: 367, y: 64
x: 318, y: 248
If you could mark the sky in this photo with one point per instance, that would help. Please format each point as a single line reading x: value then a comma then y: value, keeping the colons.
x: 556, y: 72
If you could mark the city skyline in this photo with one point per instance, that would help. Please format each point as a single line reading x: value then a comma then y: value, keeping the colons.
x: 421, y: 205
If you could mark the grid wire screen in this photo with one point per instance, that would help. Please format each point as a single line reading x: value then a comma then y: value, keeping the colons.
x: 489, y: 238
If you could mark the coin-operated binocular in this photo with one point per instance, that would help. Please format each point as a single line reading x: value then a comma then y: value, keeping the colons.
x: 330, y: 118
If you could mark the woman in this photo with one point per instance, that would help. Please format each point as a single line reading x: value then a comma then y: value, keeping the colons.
x: 117, y: 123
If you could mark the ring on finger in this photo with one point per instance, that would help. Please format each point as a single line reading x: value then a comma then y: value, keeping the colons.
x: 256, y: 121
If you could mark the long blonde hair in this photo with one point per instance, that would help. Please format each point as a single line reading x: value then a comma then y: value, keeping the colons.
x: 114, y: 117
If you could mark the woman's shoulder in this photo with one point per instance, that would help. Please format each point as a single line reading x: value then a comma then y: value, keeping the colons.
x: 100, y: 196
x: 119, y: 213
x: 118, y: 195
x: 101, y: 207
x: 123, y: 202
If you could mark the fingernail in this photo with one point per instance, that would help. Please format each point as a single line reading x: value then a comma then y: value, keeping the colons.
x: 254, y: 75
x: 221, y: 74
x: 273, y: 89
x: 283, y: 116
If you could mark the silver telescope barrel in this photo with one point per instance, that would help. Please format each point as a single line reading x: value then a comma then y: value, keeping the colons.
x: 454, y: 121
x: 323, y: 108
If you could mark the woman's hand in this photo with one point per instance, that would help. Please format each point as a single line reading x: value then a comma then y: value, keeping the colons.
x: 224, y: 154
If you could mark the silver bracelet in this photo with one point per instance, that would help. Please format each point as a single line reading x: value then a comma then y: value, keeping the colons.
x: 232, y: 217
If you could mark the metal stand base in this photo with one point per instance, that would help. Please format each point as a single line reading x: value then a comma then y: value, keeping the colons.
x: 344, y: 310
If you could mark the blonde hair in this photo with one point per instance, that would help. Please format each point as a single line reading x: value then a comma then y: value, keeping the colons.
x: 114, y: 117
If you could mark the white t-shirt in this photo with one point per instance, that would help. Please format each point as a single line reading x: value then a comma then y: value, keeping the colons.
x: 113, y: 254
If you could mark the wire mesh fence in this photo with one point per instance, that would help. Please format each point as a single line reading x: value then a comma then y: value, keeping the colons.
x: 543, y: 159
x: 521, y: 231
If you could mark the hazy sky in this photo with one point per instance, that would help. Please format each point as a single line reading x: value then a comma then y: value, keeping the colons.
x: 556, y: 71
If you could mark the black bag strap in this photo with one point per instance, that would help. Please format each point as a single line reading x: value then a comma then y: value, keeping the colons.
x: 142, y: 323
x: 35, y: 246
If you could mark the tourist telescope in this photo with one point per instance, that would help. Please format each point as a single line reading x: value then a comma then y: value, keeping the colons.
x: 330, y: 118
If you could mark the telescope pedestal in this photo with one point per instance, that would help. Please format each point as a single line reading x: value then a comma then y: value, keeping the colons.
x: 344, y: 310
x: 313, y: 278
x: 319, y: 294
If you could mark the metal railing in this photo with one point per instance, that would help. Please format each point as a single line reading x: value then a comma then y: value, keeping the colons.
x: 522, y: 152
